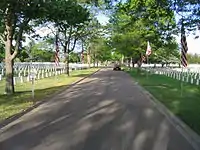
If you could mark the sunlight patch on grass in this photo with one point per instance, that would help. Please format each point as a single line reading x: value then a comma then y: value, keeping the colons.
x: 168, y: 91
x: 21, y: 100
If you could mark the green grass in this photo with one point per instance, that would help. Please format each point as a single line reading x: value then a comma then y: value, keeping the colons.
x: 10, y: 105
x: 168, y: 91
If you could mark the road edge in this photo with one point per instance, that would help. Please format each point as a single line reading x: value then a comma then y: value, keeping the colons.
x: 14, y: 117
x: 191, y: 136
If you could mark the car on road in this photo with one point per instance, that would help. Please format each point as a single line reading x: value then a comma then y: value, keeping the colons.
x: 117, y: 67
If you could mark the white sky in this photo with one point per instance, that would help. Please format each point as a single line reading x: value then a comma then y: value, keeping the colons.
x: 193, y: 44
x: 102, y: 19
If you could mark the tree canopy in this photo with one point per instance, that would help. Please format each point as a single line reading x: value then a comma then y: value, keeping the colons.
x: 132, y: 24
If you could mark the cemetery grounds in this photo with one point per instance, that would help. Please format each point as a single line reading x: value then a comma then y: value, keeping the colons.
x: 177, y: 89
x: 48, y: 80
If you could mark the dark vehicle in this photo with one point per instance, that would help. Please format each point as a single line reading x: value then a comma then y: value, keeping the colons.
x: 117, y: 67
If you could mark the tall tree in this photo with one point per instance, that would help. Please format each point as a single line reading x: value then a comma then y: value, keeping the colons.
x: 64, y: 16
x: 16, y: 16
x: 136, y: 22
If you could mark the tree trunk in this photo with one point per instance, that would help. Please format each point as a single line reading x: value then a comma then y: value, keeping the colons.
x: 94, y: 60
x: 67, y: 62
x: 88, y: 59
x: 9, y: 89
x: 139, y: 63
x: 133, y: 62
x: 10, y: 27
x: 129, y: 62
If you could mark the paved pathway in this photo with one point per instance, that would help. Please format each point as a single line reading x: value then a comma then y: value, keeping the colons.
x: 107, y: 111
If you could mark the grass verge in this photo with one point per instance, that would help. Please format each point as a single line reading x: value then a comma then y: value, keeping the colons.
x: 21, y: 100
x: 168, y: 91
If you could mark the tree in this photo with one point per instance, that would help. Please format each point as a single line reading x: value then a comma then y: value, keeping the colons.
x: 64, y: 16
x: 18, y: 17
x: 15, y: 16
x: 100, y: 50
x: 136, y: 22
x: 193, y: 58
x: 74, y: 57
x: 188, y: 13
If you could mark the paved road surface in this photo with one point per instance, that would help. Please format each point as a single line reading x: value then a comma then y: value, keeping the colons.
x: 104, y: 112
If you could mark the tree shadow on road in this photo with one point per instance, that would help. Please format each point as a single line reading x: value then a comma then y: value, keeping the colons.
x: 98, y: 115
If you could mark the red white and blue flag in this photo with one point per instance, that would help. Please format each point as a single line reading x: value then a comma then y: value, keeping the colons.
x: 148, y: 51
x: 57, y: 52
x: 184, y: 48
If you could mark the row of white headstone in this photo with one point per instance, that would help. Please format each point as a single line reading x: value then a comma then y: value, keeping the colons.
x: 185, y: 75
x: 25, y: 72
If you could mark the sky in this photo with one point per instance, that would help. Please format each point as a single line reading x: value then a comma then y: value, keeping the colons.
x: 193, y: 44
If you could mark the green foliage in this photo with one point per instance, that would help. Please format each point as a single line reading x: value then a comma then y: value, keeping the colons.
x: 168, y: 92
x: 193, y: 58
x: 136, y: 22
x: 187, y: 12
x: 74, y: 57
x: 41, y: 52
x: 41, y: 55
x: 21, y: 100
x: 116, y: 56
x: 100, y: 49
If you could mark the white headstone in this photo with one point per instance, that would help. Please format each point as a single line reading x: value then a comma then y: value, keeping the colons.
x: 21, y: 79
x: 187, y: 78
x: 14, y: 80
x: 28, y: 79
x: 2, y: 72
x: 197, y: 83
x: 46, y: 74
x: 183, y: 78
x: 192, y: 80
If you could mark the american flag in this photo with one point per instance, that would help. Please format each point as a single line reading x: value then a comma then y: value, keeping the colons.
x: 57, y: 51
x: 148, y: 51
x: 184, y: 48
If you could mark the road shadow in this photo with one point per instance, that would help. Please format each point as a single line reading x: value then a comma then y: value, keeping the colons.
x: 104, y: 112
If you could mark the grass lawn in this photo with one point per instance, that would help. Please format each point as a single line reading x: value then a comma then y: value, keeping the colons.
x: 168, y: 91
x: 10, y: 105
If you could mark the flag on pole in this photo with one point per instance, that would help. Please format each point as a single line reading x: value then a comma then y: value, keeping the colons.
x: 57, y: 51
x: 184, y: 48
x: 148, y: 51
x: 143, y: 58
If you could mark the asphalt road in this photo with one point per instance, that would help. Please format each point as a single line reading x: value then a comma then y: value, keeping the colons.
x: 106, y: 111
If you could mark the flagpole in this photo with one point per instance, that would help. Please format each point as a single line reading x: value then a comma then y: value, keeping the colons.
x: 56, y: 54
x: 147, y: 74
x: 148, y: 52
x: 182, y: 82
x: 183, y: 57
